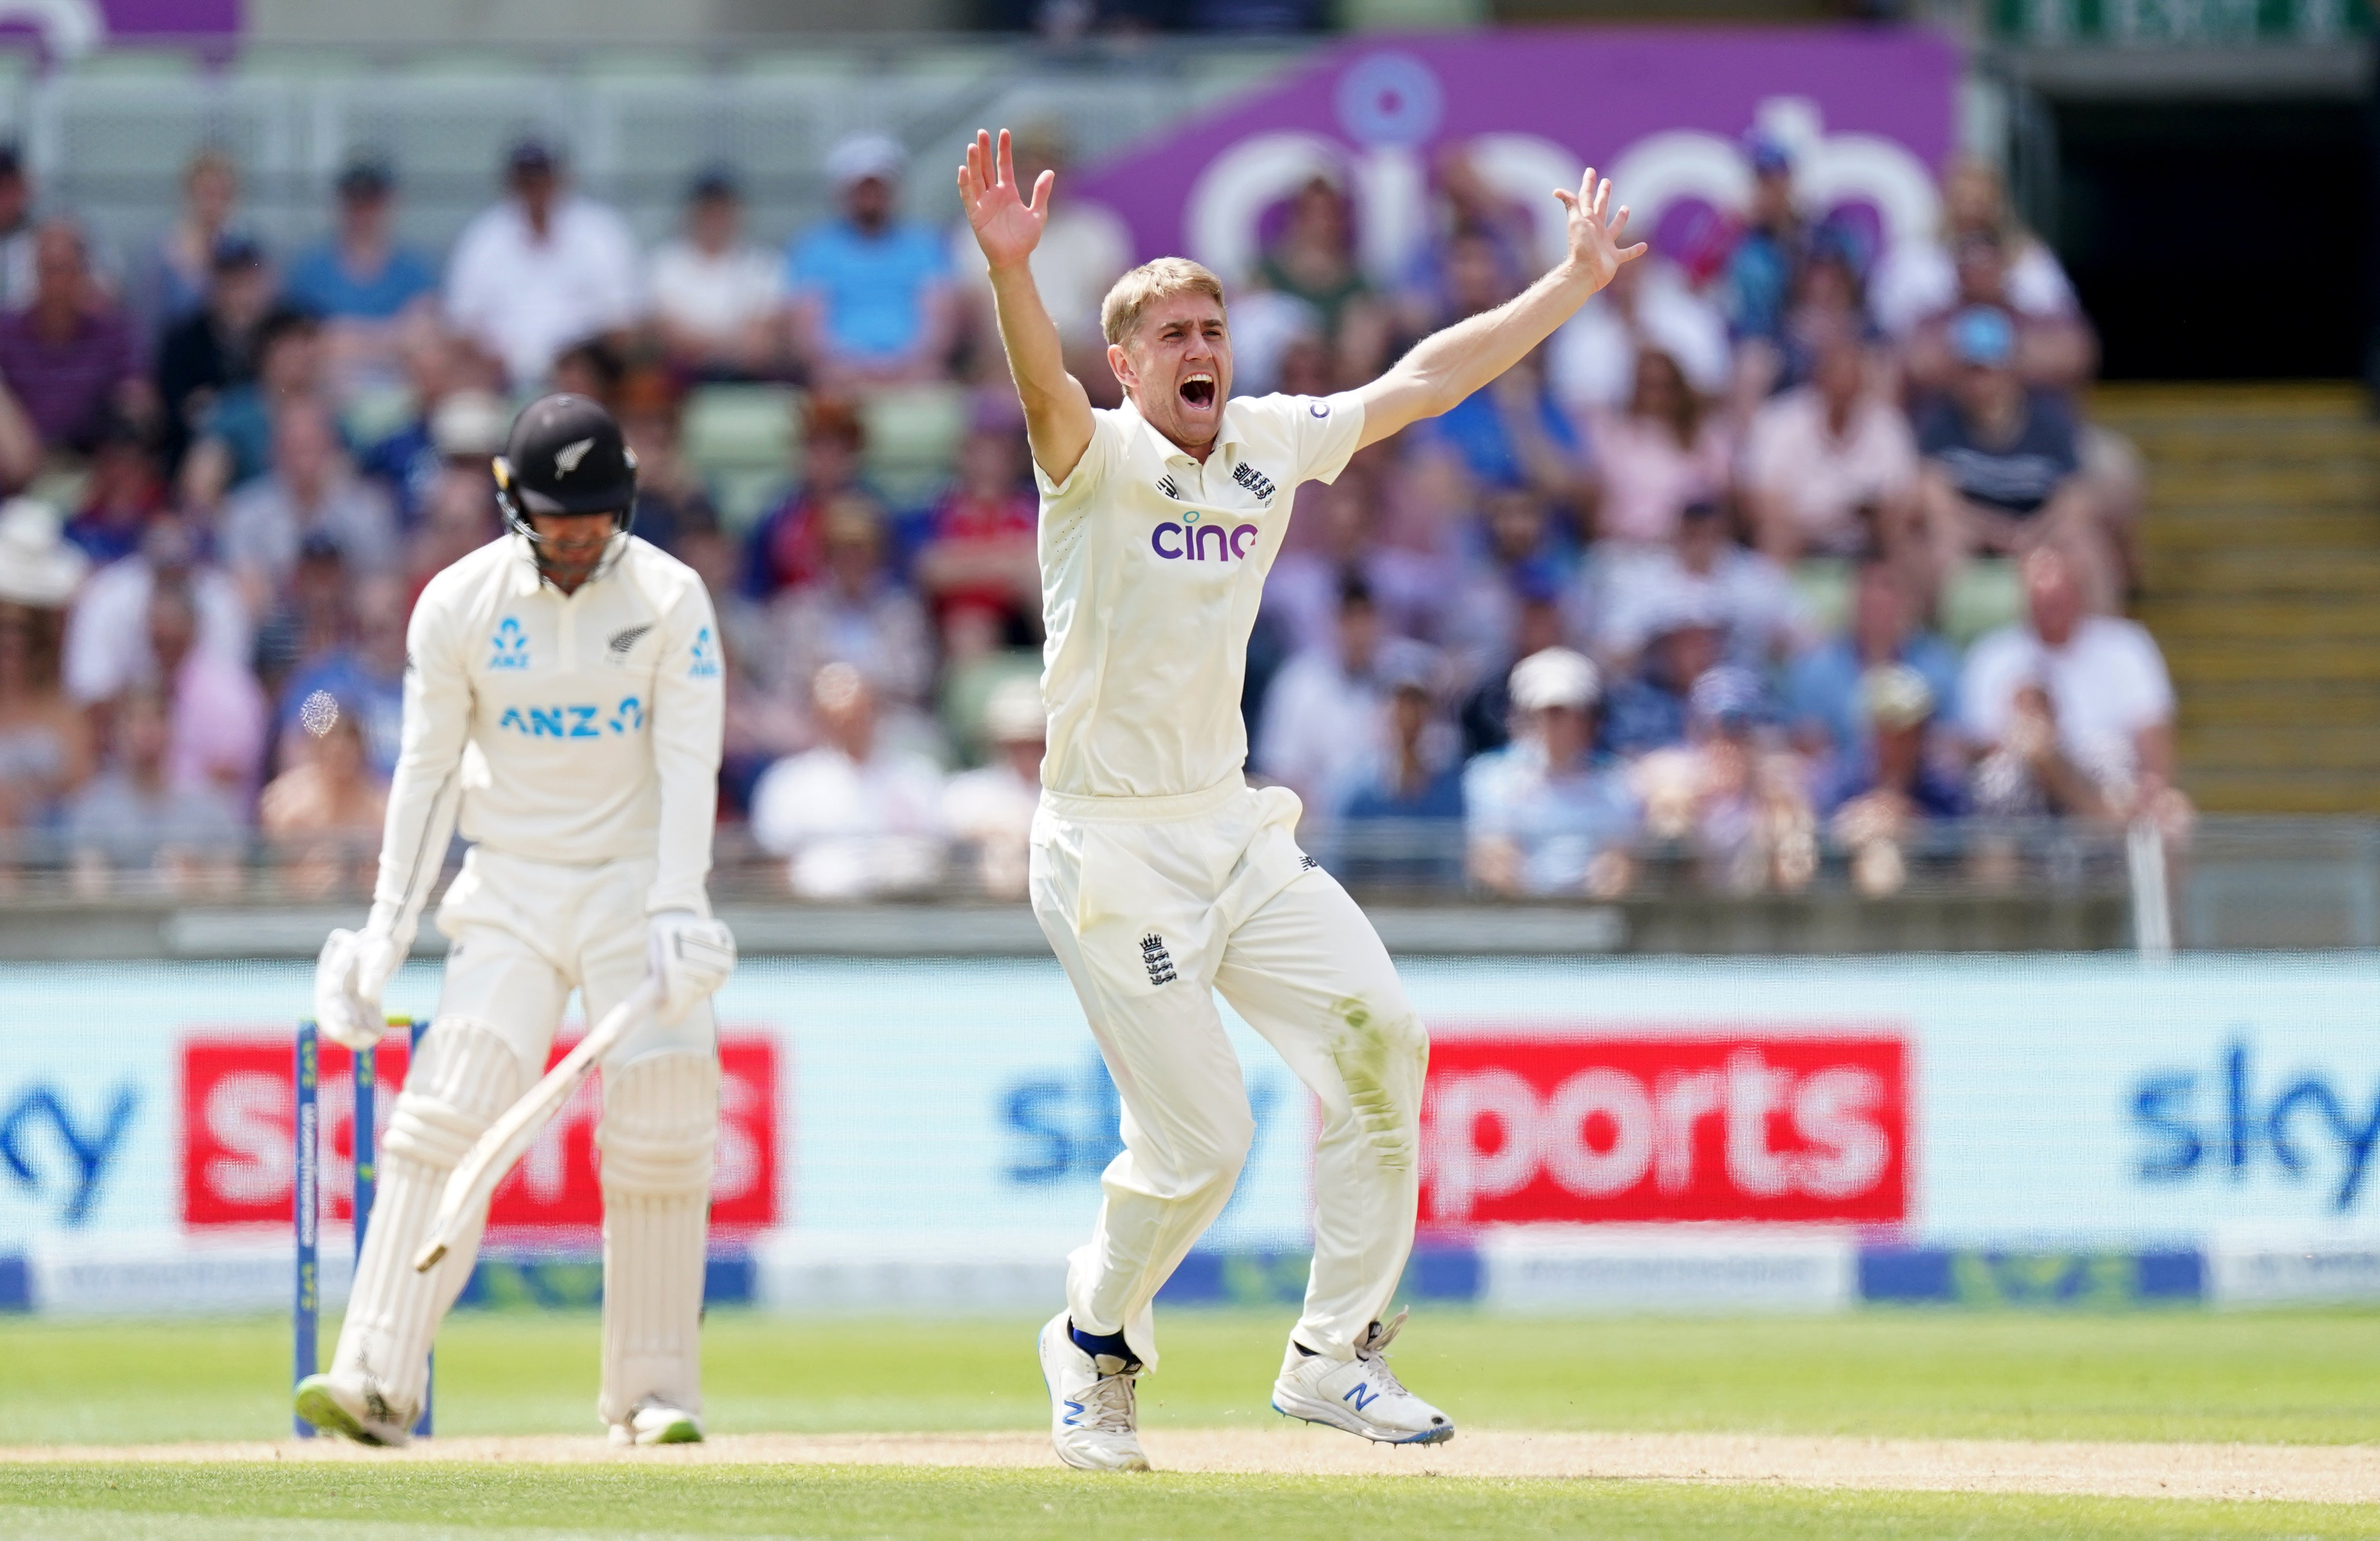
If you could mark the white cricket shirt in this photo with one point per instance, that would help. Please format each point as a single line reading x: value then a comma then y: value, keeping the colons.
x: 579, y: 729
x: 1152, y: 567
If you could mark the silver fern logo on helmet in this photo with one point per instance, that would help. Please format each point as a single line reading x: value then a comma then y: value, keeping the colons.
x: 566, y: 458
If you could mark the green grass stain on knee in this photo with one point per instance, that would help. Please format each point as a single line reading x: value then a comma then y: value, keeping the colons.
x: 1371, y: 1056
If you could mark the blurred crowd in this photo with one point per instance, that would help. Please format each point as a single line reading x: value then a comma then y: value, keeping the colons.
x: 1789, y: 551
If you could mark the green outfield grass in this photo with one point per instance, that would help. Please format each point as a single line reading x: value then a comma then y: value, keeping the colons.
x: 2309, y: 1377
x: 151, y: 1503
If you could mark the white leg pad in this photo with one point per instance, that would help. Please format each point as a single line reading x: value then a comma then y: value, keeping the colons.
x: 661, y: 1120
x: 465, y: 1077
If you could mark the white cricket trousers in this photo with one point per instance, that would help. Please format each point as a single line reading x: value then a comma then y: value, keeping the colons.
x: 523, y: 935
x: 1155, y: 903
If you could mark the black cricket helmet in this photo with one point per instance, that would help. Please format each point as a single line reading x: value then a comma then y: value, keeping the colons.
x: 565, y: 454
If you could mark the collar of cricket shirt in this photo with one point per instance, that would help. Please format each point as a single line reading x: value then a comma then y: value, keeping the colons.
x: 1229, y: 436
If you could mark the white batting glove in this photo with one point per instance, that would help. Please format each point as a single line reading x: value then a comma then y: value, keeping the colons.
x: 349, y: 978
x: 690, y: 957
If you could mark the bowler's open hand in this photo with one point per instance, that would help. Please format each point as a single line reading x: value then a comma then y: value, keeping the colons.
x: 1006, y: 226
x: 1595, y: 246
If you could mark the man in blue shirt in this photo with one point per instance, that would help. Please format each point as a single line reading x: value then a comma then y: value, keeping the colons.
x: 1821, y: 687
x: 871, y: 293
x: 360, y: 271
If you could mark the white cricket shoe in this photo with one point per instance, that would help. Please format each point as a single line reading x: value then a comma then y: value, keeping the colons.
x: 353, y: 1407
x: 1092, y: 1420
x: 1361, y: 1395
x: 655, y: 1422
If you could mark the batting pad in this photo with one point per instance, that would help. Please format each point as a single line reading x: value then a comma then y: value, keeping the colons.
x: 660, y: 1118
x: 465, y: 1077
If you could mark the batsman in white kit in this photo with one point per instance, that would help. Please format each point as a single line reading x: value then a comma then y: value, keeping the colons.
x: 563, y: 699
x: 1158, y: 874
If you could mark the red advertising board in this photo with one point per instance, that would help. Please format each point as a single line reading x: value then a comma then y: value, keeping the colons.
x: 237, y: 1104
x: 1789, y: 1127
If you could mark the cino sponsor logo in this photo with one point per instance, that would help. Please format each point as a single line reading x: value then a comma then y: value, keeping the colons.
x: 1784, y: 1127
x: 2232, y: 1121
x: 238, y: 1100
x: 1192, y: 540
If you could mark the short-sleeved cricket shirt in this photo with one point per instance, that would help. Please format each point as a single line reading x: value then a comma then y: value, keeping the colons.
x: 1152, y: 566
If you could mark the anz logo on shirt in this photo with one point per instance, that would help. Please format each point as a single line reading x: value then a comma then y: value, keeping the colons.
x: 1193, y: 541
x: 509, y: 647
x: 573, y: 721
x: 705, y: 656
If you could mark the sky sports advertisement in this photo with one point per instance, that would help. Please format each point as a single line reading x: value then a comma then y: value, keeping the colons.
x: 1615, y: 1133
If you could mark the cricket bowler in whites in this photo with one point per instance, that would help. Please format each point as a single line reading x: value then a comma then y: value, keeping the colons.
x: 1159, y: 874
x: 562, y: 696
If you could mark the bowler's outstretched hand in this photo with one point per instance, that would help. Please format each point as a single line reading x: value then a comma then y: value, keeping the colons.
x: 1594, y: 242
x: 1005, y: 226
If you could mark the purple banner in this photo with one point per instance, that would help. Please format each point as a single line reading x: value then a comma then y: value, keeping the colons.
x: 1867, y: 115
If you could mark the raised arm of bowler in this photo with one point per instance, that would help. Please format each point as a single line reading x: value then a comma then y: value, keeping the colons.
x: 562, y: 698
x: 1158, y: 876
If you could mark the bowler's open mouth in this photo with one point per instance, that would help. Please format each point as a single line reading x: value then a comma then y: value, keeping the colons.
x: 1199, y: 390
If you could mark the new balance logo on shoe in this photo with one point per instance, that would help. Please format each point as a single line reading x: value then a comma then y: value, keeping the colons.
x: 1156, y: 958
x: 1363, y: 1396
x: 1255, y: 481
x: 1074, y: 1413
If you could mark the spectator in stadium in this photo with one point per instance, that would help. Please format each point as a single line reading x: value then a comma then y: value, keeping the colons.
x: 1879, y: 793
x: 989, y: 810
x: 121, y: 493
x: 872, y: 296
x: 593, y: 368
x: 309, y: 621
x: 1592, y: 360
x: 1396, y: 814
x: 1543, y: 815
x: 1738, y: 802
x: 2096, y: 685
x: 288, y: 356
x: 1343, y: 532
x: 1510, y: 550
x: 321, y: 818
x: 2053, y: 351
x: 1313, y: 259
x: 456, y: 416
x: 171, y: 281
x: 212, y: 348
x: 2003, y: 462
x: 979, y: 566
x: 107, y: 635
x: 855, y: 817
x: 16, y: 227
x: 1322, y: 713
x: 1825, y: 709
x: 135, y: 826
x: 457, y: 518
x: 1830, y: 466
x: 1828, y: 302
x: 1918, y: 279
x: 542, y: 269
x: 718, y: 298
x: 1540, y: 620
x: 219, y: 710
x: 1760, y: 270
x: 68, y: 357
x: 45, y: 740
x: 1680, y: 642
x: 364, y: 676
x: 1666, y: 451
x: 1084, y: 249
x: 1478, y: 227
x: 671, y: 497
x: 1704, y: 571
x: 785, y: 548
x: 856, y: 613
x: 360, y: 272
x: 309, y: 490
x: 1512, y: 434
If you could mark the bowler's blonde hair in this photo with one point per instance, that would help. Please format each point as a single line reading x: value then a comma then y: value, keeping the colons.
x: 1149, y: 283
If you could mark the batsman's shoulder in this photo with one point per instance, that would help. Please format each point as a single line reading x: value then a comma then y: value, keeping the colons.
x: 667, y: 581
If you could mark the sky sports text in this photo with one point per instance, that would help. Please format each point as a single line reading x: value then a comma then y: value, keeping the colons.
x: 2230, y: 1119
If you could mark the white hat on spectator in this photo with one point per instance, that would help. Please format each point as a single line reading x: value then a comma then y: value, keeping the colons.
x: 1894, y: 696
x: 858, y: 157
x: 1555, y: 678
x: 1014, y: 714
x: 471, y: 425
x: 37, y: 566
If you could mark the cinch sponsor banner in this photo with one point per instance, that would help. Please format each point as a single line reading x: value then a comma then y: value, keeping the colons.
x: 1668, y: 1127
x: 236, y: 1146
